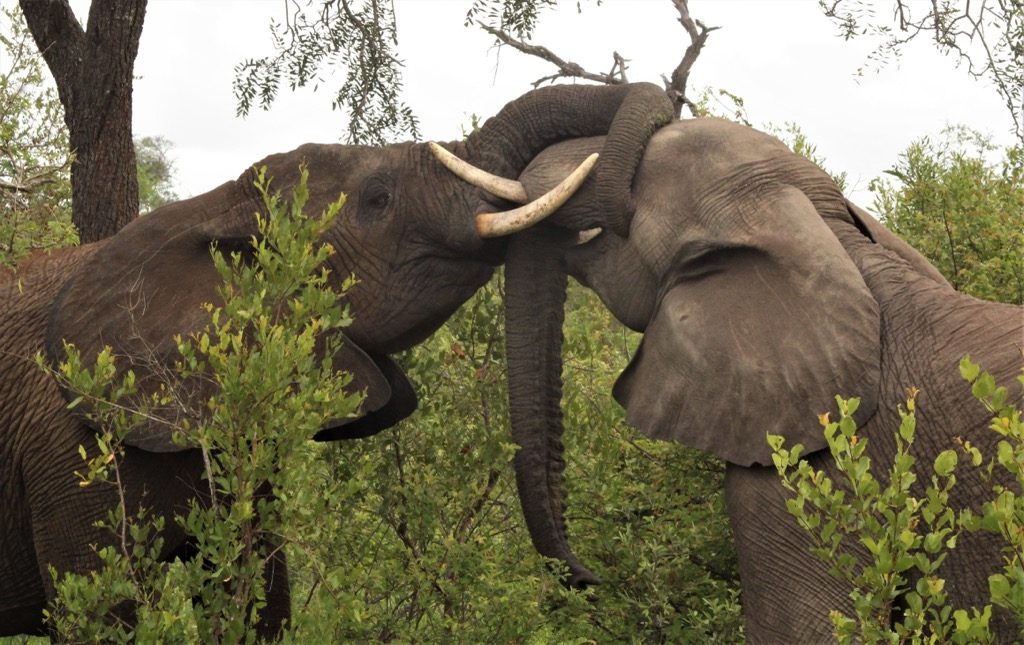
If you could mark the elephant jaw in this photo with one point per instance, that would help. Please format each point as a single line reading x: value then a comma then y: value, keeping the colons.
x: 499, y: 224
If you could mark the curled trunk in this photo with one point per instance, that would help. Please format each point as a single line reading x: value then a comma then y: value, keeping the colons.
x: 535, y: 275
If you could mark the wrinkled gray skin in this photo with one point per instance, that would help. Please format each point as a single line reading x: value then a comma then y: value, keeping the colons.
x: 761, y: 293
x: 406, y: 231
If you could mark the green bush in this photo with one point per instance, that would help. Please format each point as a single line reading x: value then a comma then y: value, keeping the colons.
x: 274, y: 393
x: 433, y: 544
x: 903, y: 536
x: 961, y: 211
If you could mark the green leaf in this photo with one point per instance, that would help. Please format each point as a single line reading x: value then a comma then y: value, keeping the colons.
x: 998, y: 587
x: 968, y: 370
x: 945, y: 462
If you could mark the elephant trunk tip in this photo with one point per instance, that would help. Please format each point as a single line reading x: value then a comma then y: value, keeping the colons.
x: 579, y: 577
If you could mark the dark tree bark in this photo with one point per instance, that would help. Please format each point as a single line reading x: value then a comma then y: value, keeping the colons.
x: 93, y: 72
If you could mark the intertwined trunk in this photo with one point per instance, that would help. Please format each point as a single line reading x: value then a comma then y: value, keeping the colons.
x: 535, y: 276
x: 93, y: 72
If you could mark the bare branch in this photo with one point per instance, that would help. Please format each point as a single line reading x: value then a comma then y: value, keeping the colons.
x: 698, y: 33
x: 566, y: 69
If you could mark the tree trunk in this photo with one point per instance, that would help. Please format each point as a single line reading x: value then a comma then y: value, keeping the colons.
x: 93, y: 72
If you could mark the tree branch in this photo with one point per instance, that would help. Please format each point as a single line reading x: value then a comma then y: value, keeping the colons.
x: 698, y: 33
x: 676, y: 86
x: 566, y: 69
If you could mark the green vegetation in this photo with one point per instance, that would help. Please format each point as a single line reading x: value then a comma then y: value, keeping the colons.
x: 155, y: 172
x: 273, y: 394
x: 962, y: 212
x: 432, y: 539
x: 35, y: 184
x: 882, y: 534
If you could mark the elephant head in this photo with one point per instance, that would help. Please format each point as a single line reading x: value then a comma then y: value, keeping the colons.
x: 762, y: 293
x: 408, y: 232
x: 729, y: 267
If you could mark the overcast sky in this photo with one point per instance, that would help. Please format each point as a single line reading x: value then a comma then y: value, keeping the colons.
x: 781, y: 56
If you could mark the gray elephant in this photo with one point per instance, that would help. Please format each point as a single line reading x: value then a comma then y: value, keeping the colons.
x: 761, y: 293
x: 408, y: 231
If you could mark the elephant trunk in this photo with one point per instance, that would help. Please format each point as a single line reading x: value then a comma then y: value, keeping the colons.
x: 535, y: 276
x: 535, y: 284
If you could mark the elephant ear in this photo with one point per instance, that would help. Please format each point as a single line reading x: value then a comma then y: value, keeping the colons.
x: 377, y: 415
x: 755, y: 336
x: 147, y: 284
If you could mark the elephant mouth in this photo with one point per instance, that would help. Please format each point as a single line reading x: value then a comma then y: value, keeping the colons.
x: 399, y: 402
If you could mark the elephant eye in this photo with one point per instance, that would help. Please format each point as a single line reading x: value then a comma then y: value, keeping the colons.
x: 376, y: 196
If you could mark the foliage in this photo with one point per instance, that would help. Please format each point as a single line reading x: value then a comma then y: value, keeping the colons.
x: 273, y: 393
x: 987, y: 36
x: 517, y: 17
x: 360, y: 38
x: 35, y: 190
x: 888, y: 537
x: 1004, y: 514
x: 35, y: 181
x: 877, y: 537
x: 357, y: 36
x: 960, y: 211
x: 155, y: 172
x: 433, y: 545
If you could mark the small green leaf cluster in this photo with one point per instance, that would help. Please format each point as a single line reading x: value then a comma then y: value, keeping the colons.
x: 268, y: 347
x: 888, y: 537
x: 879, y: 537
x: 361, y: 41
x: 1004, y: 514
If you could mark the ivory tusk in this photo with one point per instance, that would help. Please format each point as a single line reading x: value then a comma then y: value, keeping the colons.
x: 517, y: 219
x: 509, y: 189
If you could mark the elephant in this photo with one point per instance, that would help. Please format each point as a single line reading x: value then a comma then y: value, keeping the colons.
x: 761, y: 294
x: 408, y: 231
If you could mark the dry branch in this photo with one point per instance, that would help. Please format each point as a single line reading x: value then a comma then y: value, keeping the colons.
x: 674, y: 86
x: 566, y: 69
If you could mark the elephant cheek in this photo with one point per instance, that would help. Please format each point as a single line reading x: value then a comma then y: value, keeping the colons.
x: 611, y: 267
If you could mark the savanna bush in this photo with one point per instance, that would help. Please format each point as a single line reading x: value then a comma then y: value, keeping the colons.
x: 274, y: 391
x: 887, y: 537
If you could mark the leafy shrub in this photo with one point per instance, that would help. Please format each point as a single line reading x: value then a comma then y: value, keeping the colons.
x: 274, y: 393
x: 961, y: 211
x: 876, y: 535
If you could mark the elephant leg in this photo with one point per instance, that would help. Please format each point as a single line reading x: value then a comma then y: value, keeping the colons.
x: 22, y: 595
x: 787, y: 592
x: 275, y: 616
x: 22, y: 592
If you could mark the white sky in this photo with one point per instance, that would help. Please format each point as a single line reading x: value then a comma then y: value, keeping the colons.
x: 781, y: 56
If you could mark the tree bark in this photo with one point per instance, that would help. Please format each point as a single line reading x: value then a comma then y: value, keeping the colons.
x: 93, y: 72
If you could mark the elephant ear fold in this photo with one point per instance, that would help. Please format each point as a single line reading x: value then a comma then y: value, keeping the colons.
x: 377, y: 412
x: 756, y: 337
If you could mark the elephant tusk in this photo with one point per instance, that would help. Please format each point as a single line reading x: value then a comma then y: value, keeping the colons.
x: 517, y: 219
x: 587, y: 235
x: 509, y: 189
